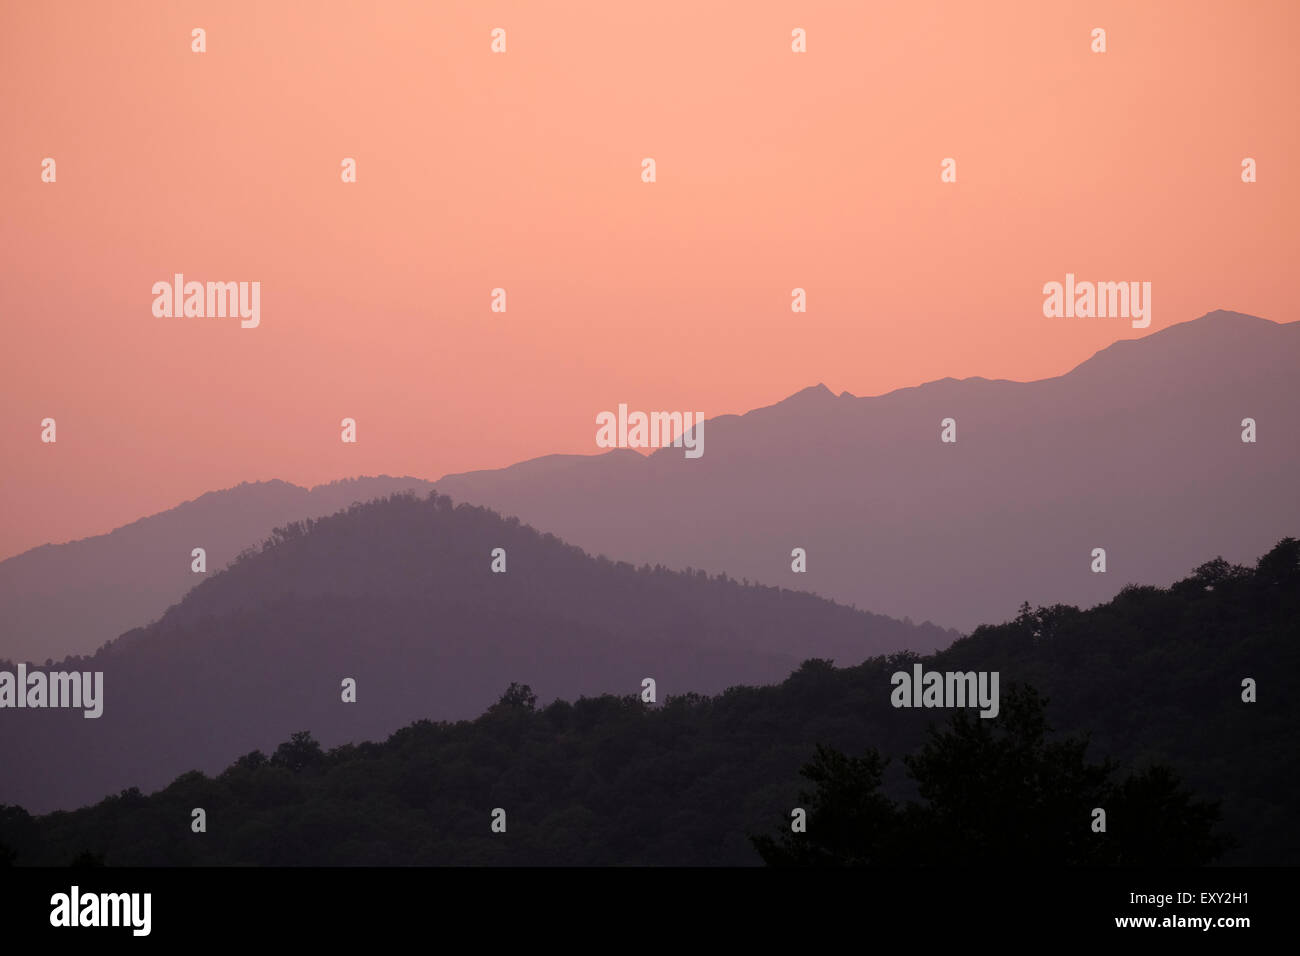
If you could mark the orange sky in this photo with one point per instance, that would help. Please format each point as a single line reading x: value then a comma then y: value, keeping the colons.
x: 522, y: 170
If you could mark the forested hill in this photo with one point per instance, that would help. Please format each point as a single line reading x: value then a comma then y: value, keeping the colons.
x: 1154, y: 675
x: 431, y: 609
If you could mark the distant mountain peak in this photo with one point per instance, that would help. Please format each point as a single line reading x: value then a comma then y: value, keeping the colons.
x: 816, y: 392
x: 1204, y: 338
x: 1227, y: 315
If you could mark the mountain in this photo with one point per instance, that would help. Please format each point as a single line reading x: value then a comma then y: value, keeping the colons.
x: 1154, y: 676
x: 62, y: 599
x: 399, y: 595
x: 1137, y: 451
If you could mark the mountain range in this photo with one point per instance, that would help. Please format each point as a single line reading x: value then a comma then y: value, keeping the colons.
x: 399, y: 595
x: 1136, y: 451
x: 1151, y: 682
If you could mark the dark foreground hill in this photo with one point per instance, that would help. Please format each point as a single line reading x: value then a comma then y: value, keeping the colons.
x: 399, y: 596
x: 1155, y: 676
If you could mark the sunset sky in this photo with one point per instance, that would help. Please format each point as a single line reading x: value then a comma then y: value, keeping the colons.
x: 522, y: 170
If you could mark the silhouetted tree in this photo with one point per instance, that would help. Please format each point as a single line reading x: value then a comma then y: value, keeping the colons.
x: 299, y: 752
x: 996, y: 791
x: 849, y: 823
x: 1282, y: 564
x: 251, y: 760
x: 518, y: 698
x: 1154, y: 821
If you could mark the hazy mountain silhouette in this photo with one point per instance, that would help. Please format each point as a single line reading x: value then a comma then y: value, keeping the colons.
x: 1137, y: 450
x: 398, y: 595
x: 62, y: 599
x: 1154, y: 678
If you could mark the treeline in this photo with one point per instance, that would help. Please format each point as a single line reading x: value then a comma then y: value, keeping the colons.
x: 1145, y: 693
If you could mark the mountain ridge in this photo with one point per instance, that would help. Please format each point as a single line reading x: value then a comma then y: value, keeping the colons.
x: 399, y: 594
x: 89, y: 590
